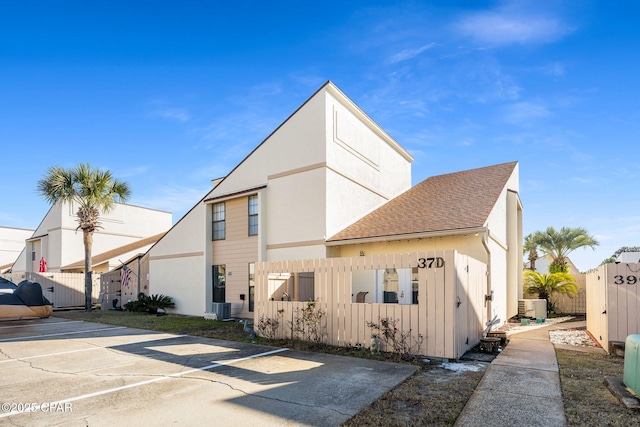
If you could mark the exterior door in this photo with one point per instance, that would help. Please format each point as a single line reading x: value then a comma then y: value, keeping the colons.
x: 219, y: 282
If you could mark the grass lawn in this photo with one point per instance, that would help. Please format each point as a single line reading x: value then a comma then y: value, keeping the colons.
x: 433, y: 396
x: 587, y: 401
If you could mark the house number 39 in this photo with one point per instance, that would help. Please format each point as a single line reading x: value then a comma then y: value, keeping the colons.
x: 437, y: 262
x: 621, y: 280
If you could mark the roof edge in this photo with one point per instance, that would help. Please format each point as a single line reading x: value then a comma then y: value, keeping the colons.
x: 438, y: 233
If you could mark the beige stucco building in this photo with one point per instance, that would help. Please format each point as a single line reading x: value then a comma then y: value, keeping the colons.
x: 11, y: 245
x: 305, y: 192
x: 125, y: 231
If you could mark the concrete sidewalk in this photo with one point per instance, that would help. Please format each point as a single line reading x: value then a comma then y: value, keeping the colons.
x: 521, y: 386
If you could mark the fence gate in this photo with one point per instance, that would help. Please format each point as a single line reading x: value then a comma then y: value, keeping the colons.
x: 613, y: 302
x: 110, y: 291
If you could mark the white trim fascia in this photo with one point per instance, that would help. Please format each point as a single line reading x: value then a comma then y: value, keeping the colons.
x: 234, y: 195
x: 411, y: 236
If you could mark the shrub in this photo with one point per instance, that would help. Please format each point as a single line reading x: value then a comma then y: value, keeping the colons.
x: 309, y: 323
x: 400, y: 342
x: 150, y: 304
x: 268, y: 327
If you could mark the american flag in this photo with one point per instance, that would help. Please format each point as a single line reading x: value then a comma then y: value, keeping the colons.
x: 125, y: 275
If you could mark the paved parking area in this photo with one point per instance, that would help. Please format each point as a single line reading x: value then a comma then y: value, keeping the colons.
x: 73, y: 373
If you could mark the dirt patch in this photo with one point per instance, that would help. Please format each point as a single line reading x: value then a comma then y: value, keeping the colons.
x: 433, y: 396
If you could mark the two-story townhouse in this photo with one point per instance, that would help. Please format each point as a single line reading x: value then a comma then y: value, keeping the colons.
x: 324, y: 167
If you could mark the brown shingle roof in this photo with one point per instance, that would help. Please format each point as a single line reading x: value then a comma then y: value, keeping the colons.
x: 454, y: 201
x: 113, y: 253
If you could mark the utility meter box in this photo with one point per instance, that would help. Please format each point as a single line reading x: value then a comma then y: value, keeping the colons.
x: 631, y: 374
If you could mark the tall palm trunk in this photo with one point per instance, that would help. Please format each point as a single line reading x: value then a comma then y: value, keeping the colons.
x: 87, y: 238
x: 533, y: 257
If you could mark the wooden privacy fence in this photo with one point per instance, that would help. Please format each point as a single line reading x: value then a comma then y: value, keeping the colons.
x: 64, y: 290
x: 613, y: 303
x: 445, y: 311
x: 572, y: 305
x: 115, y: 294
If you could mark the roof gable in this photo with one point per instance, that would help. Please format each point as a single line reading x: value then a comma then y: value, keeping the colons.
x: 114, y: 253
x: 455, y: 201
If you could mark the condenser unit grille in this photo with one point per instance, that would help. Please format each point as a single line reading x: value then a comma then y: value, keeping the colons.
x: 532, y: 308
x: 222, y: 310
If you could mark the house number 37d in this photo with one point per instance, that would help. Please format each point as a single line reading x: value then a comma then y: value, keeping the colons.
x: 437, y: 262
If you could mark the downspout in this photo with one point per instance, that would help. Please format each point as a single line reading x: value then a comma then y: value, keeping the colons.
x: 488, y: 297
x: 139, y: 278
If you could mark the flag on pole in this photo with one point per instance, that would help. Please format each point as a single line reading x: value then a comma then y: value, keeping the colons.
x: 125, y: 275
x: 43, y: 265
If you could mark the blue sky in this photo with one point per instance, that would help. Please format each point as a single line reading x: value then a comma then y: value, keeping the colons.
x: 169, y: 95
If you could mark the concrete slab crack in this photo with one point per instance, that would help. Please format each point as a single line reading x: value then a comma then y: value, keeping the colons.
x: 261, y: 396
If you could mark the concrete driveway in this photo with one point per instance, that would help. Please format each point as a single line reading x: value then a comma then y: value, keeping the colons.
x: 61, y: 372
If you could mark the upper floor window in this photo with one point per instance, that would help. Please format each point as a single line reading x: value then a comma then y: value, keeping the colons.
x: 219, y: 226
x: 253, y: 215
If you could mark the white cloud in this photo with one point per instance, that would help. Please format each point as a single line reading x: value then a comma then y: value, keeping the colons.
x: 512, y: 24
x: 174, y: 114
x: 581, y: 180
x: 522, y: 112
x: 407, y: 54
x: 132, y: 171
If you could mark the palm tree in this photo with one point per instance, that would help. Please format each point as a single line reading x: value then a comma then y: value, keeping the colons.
x: 546, y: 285
x: 559, y: 244
x: 95, y: 191
x: 531, y: 247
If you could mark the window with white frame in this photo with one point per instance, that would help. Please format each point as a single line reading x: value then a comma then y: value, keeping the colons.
x: 219, y: 225
x: 253, y: 215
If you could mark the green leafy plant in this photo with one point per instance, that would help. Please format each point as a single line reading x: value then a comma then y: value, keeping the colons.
x: 138, y: 306
x: 150, y: 304
x: 546, y: 285
x: 558, y: 244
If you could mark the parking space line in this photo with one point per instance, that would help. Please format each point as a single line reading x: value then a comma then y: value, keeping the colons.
x: 42, y: 324
x: 60, y: 333
x: 141, y: 383
x: 89, y: 349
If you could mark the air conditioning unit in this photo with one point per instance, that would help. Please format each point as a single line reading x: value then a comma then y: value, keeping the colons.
x: 532, y: 308
x: 222, y: 310
x: 631, y: 373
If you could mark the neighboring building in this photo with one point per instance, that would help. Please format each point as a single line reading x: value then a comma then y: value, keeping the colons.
x: 629, y: 257
x: 329, y: 182
x: 58, y: 241
x: 322, y: 169
x: 11, y: 244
